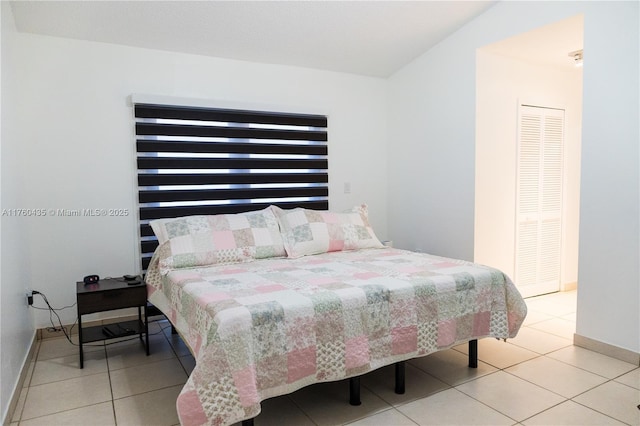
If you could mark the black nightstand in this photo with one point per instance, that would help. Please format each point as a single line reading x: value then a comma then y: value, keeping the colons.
x: 107, y: 295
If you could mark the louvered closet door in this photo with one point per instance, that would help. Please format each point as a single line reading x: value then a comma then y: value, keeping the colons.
x: 539, y: 200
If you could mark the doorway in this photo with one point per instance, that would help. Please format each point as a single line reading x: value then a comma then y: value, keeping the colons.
x: 509, y: 74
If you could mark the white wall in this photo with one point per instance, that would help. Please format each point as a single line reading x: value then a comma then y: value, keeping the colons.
x: 16, y: 323
x: 76, y: 140
x: 502, y: 84
x: 432, y: 138
x: 431, y: 153
x: 609, y: 306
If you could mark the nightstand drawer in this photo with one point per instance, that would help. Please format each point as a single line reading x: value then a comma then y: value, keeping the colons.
x: 113, y: 299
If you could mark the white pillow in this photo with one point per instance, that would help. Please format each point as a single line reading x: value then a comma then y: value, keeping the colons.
x: 306, y: 232
x: 214, y: 239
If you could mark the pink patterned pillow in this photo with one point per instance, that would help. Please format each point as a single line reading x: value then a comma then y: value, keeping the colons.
x: 307, y: 232
x: 218, y: 239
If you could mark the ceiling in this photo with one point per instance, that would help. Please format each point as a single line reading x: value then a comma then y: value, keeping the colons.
x: 549, y: 45
x: 374, y: 38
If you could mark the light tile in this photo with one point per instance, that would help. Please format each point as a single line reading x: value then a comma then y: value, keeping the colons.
x: 615, y: 400
x: 388, y: 417
x: 535, y: 317
x: 510, y: 395
x: 131, y: 353
x: 451, y: 366
x: 558, y: 327
x: 156, y: 408
x: 632, y: 378
x: 60, y: 347
x: 539, y: 341
x: 556, y: 376
x: 418, y: 384
x: 56, y: 369
x: 148, y: 377
x: 452, y: 407
x: 548, y: 305
x: 569, y: 298
x: 328, y: 403
x: 69, y: 394
x: 281, y: 411
x: 95, y: 415
x: 592, y: 361
x: 499, y: 353
x: 570, y: 414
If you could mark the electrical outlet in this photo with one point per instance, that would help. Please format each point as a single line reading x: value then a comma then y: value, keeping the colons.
x: 347, y: 187
x: 29, y: 298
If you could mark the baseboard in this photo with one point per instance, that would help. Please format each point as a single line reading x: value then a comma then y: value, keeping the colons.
x: 13, y: 402
x: 607, y: 349
x: 569, y: 286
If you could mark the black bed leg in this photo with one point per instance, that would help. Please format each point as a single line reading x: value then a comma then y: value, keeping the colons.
x: 400, y: 377
x: 473, y: 354
x: 248, y: 422
x: 354, y: 391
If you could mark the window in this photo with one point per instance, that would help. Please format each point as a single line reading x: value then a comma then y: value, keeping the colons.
x: 194, y: 160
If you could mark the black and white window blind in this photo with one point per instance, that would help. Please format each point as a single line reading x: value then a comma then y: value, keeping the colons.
x: 194, y: 160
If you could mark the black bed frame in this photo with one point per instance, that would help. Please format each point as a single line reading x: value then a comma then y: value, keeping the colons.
x: 354, y: 382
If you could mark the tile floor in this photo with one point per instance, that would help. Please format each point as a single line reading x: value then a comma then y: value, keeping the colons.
x: 538, y: 378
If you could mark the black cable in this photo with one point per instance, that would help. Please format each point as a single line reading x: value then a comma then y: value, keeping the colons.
x: 52, y: 311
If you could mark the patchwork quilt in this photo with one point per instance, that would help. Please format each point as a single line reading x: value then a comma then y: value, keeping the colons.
x: 269, y: 327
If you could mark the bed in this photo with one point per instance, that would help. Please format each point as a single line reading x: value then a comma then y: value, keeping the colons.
x: 272, y: 301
